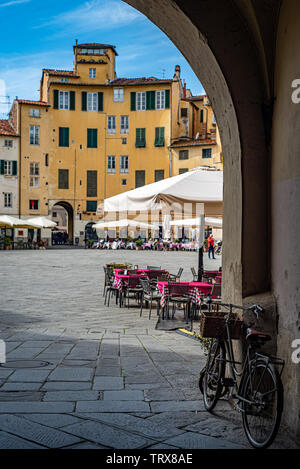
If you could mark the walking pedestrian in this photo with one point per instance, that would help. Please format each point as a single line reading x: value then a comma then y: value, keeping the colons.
x: 211, y: 246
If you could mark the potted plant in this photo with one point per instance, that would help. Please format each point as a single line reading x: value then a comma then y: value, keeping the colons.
x: 7, y: 243
x: 139, y: 244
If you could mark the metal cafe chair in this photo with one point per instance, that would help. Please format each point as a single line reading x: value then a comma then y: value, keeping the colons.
x: 132, y: 290
x: 176, y: 277
x: 178, y: 293
x: 149, y: 295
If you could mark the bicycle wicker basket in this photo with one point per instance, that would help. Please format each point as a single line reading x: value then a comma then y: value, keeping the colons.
x: 212, y: 324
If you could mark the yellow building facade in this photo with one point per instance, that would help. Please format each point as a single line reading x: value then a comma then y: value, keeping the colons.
x: 93, y: 135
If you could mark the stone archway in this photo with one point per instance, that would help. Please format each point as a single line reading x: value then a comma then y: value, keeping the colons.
x: 69, y: 209
x: 246, y: 53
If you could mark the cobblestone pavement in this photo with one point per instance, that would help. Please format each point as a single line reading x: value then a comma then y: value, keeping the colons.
x: 109, y: 380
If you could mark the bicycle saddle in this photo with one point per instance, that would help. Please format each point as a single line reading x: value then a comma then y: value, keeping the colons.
x: 253, y: 334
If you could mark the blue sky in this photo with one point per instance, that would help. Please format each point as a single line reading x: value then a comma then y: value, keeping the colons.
x: 36, y: 34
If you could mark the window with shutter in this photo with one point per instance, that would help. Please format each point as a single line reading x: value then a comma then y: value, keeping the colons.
x: 167, y: 99
x: 150, y: 100
x: 140, y: 138
x: 183, y: 154
x: 100, y: 101
x: 55, y: 99
x: 206, y: 153
x: 132, y: 101
x: 14, y: 168
x: 159, y: 137
x: 159, y: 175
x: 91, y: 138
x: 139, y: 178
x: 63, y: 136
x: 91, y: 183
x: 91, y: 205
x: 63, y: 179
x: 83, y: 100
x: 72, y: 100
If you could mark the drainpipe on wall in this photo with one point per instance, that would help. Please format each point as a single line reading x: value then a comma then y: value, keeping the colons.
x: 170, y: 163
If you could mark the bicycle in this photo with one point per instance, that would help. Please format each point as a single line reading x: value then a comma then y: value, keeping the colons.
x: 257, y: 387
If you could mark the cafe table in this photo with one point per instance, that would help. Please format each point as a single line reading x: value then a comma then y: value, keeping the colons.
x: 121, y: 278
x: 196, y: 290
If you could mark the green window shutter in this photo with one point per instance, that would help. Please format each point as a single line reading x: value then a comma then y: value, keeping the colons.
x: 140, y: 141
x: 156, y: 136
x: 159, y: 175
x: 167, y: 99
x: 150, y: 100
x: 91, y: 205
x: 14, y: 168
x: 201, y: 115
x: 55, y: 99
x: 91, y: 183
x: 1, y: 166
x: 83, y: 100
x: 92, y: 138
x: 63, y: 179
x: 152, y: 94
x: 72, y: 100
x: 100, y: 101
x: 89, y: 138
x: 159, y: 136
x: 132, y: 101
x: 63, y: 136
x: 139, y: 178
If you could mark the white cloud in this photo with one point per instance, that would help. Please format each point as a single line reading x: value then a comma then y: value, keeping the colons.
x: 94, y: 15
x: 13, y: 2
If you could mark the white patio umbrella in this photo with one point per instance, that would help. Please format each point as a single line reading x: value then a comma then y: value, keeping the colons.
x: 125, y: 223
x: 42, y: 222
x: 209, y: 221
x: 198, y: 185
x: 7, y: 221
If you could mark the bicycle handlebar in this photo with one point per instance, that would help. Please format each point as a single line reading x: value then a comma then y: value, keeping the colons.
x: 255, y: 308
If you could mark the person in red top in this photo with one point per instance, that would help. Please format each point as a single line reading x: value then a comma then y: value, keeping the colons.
x: 211, y: 246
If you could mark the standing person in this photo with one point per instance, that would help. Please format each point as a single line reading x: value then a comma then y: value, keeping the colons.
x: 211, y: 246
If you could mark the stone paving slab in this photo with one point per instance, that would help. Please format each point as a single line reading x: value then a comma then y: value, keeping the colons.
x: 122, y: 395
x: 66, y: 386
x: 112, y: 406
x: 33, y: 431
x: 189, y: 440
x: 52, y: 420
x: 8, y: 441
x: 139, y: 425
x: 71, y: 374
x: 66, y: 396
x: 105, y: 383
x: 107, y: 435
x: 35, y: 407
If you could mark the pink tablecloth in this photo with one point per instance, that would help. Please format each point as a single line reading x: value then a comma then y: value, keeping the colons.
x: 195, y: 290
x: 121, y: 280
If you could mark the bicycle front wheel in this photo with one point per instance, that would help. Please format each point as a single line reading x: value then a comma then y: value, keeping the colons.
x: 213, y: 374
x: 261, y: 416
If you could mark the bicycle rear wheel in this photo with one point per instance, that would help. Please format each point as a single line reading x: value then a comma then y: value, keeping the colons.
x: 261, y: 418
x: 213, y: 374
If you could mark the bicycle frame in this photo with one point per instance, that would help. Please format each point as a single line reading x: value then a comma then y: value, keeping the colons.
x: 247, y: 365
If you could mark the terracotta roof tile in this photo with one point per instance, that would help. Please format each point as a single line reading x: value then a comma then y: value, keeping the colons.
x: 64, y: 73
x: 138, y: 81
x: 33, y: 103
x: 6, y: 128
x: 192, y: 143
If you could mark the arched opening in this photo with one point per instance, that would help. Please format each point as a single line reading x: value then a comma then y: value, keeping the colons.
x: 63, y: 214
x: 246, y: 56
